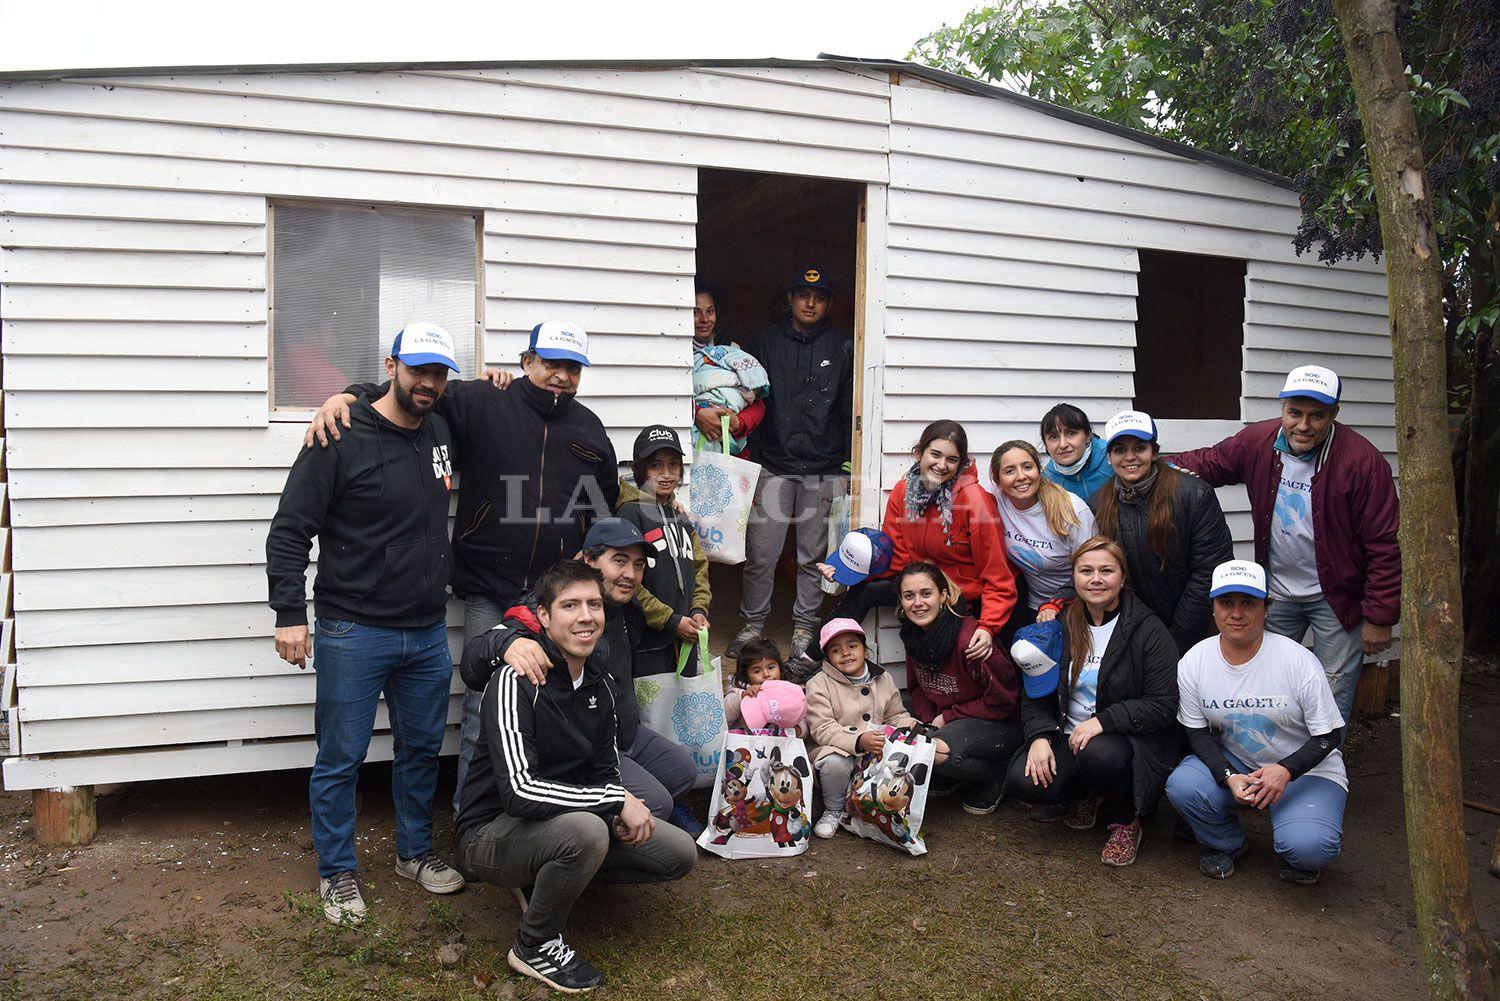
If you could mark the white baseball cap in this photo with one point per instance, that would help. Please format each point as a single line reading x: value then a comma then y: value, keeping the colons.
x: 1238, y: 577
x: 863, y: 552
x: 560, y: 340
x: 1134, y: 423
x: 1315, y: 382
x: 423, y: 343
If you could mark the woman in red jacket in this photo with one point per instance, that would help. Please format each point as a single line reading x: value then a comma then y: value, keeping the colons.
x: 975, y: 702
x: 941, y: 514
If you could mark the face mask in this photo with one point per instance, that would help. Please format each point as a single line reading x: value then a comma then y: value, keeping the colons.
x: 1076, y: 467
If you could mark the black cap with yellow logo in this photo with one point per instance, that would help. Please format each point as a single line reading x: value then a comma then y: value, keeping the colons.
x: 811, y: 278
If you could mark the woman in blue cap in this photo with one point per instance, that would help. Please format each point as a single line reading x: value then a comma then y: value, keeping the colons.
x: 1265, y: 733
x: 1100, y: 707
x: 1169, y: 524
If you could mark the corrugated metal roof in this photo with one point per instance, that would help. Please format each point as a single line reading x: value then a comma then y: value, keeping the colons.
x: 824, y: 60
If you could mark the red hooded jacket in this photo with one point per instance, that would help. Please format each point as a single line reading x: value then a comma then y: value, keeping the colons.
x: 1354, y: 509
x: 972, y: 552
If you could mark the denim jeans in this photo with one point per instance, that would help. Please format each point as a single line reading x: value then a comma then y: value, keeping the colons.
x: 480, y: 616
x: 1341, y: 651
x: 1307, y: 823
x: 354, y: 664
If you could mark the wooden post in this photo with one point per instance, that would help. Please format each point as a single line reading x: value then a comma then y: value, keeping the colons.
x: 64, y: 816
x: 1369, y: 697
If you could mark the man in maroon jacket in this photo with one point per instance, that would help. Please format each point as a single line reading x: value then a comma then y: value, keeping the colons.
x: 1324, y: 505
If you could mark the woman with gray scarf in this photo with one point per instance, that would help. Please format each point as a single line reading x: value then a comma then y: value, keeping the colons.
x: 1169, y: 524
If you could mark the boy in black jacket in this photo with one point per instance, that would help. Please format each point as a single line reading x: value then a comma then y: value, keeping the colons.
x: 378, y: 503
x: 542, y: 804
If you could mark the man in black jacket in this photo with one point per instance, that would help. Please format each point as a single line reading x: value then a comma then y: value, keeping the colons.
x: 651, y: 766
x: 378, y: 503
x: 543, y: 805
x: 539, y: 468
x: 803, y: 448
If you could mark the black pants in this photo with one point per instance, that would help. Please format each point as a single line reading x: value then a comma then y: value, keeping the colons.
x: 1102, y: 768
x: 860, y: 599
x: 978, y: 748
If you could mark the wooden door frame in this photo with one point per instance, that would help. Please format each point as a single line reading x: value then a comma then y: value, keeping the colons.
x: 867, y: 449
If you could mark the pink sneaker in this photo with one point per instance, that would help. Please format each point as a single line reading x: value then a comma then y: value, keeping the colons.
x: 1123, y: 843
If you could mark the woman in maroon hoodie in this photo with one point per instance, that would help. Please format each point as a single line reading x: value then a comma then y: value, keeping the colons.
x: 974, y: 702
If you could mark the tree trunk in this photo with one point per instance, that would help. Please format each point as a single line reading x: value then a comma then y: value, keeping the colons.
x: 1479, y: 548
x: 1456, y: 953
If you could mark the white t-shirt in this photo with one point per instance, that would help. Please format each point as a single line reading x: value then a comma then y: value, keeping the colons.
x: 1264, y: 709
x: 1045, y: 559
x: 1084, y: 695
x: 1294, y: 560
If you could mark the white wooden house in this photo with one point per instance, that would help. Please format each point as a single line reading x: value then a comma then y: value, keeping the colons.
x: 998, y: 254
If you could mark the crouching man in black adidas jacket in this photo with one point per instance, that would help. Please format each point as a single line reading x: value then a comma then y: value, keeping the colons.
x: 542, y: 805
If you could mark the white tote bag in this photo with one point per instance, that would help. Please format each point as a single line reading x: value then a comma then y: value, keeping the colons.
x: 762, y: 797
x: 720, y: 496
x: 689, y: 711
x: 888, y: 794
x: 838, y: 527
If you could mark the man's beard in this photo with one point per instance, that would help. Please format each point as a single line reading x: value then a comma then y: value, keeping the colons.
x: 410, y: 404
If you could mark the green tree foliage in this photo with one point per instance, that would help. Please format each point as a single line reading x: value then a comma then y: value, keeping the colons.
x: 1266, y: 82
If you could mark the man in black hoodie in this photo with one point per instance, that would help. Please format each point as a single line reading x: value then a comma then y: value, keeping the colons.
x: 378, y: 504
x: 803, y: 448
x: 543, y: 804
x: 539, y: 469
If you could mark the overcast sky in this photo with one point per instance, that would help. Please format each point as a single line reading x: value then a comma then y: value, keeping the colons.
x: 78, y: 34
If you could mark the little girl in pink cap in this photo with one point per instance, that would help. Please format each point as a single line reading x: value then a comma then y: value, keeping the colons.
x: 850, y: 702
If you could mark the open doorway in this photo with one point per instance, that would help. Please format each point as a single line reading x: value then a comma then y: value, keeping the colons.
x: 756, y: 232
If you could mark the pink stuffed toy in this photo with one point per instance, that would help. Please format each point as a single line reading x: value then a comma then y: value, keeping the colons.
x: 780, y: 705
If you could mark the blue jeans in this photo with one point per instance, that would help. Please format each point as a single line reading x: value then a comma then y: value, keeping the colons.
x: 480, y: 616
x: 1341, y: 651
x: 1307, y: 823
x: 354, y: 664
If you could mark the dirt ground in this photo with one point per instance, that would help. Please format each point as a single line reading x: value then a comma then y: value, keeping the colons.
x: 203, y: 889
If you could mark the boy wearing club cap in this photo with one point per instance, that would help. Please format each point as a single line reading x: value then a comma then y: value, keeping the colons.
x: 1264, y: 731
x: 1324, y: 506
x: 378, y: 504
x: 539, y: 470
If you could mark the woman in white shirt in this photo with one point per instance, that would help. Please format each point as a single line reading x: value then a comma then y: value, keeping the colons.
x: 1043, y: 524
x: 1105, y: 739
x: 1265, y: 734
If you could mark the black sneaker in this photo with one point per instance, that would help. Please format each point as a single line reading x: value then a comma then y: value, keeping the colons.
x: 983, y: 798
x: 556, y: 965
x: 1299, y: 877
x: 1220, y: 865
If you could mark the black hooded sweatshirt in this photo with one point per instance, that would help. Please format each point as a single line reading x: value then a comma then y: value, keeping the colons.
x: 809, y: 412
x: 538, y: 470
x: 377, y: 500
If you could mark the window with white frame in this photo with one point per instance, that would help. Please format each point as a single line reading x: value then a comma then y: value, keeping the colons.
x: 346, y: 278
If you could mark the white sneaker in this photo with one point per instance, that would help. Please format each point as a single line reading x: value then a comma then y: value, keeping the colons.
x: 431, y: 873
x: 342, y: 903
x: 827, y: 825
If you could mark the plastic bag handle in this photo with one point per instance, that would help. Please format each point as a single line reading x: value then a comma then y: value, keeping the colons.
x: 705, y: 660
x: 724, y: 436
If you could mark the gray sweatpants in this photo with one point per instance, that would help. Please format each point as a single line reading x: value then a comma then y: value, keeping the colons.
x: 834, y: 772
x: 801, y: 502
x: 560, y: 856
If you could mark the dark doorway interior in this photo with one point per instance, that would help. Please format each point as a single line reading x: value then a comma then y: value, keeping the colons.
x: 1189, y: 332
x: 756, y: 232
